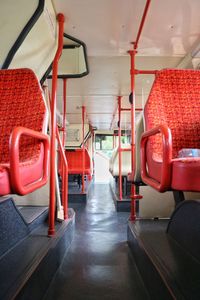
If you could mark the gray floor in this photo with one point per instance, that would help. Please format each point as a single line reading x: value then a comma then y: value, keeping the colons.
x: 99, y: 264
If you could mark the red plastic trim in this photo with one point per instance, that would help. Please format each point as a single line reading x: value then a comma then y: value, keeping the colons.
x: 165, y: 180
x: 15, y: 177
x: 125, y: 109
x: 145, y: 72
x: 125, y: 149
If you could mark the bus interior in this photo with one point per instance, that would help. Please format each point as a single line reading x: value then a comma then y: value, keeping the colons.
x: 100, y: 149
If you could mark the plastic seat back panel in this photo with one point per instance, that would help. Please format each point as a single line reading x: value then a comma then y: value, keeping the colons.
x: 75, y: 161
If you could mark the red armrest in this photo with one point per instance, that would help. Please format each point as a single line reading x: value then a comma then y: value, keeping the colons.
x: 16, y: 182
x: 165, y: 180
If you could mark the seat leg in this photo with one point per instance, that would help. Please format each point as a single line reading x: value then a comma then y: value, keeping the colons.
x: 125, y: 185
x: 79, y: 181
x: 178, y: 197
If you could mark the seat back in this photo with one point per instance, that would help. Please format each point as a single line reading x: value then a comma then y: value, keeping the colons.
x: 139, y: 131
x: 174, y: 100
x: 111, y: 160
x: 75, y: 161
x: 21, y: 104
x: 126, y: 163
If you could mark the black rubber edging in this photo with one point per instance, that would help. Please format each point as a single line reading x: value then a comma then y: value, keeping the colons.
x: 23, y: 34
x: 65, y: 76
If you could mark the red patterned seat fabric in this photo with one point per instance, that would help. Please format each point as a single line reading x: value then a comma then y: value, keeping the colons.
x: 174, y: 100
x: 75, y: 162
x: 21, y: 104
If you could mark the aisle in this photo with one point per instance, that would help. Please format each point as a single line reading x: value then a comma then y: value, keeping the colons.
x: 99, y: 264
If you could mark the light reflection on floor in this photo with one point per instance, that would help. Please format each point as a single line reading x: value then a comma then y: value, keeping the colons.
x: 102, y: 174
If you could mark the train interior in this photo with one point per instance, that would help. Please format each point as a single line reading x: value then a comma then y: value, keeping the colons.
x: 99, y: 149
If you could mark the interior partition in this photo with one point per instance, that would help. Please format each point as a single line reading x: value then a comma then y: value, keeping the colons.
x: 30, y: 35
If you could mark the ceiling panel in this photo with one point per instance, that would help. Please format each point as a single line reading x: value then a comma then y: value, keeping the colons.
x: 107, y: 27
x: 108, y: 78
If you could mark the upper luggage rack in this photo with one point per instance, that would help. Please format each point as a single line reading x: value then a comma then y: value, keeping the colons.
x: 73, y: 62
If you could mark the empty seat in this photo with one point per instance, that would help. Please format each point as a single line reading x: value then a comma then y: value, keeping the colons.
x: 24, y: 149
x: 139, y: 131
x: 111, y: 160
x: 75, y: 162
x: 126, y: 163
x: 172, y: 119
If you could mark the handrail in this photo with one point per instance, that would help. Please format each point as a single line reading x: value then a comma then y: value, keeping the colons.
x: 51, y: 230
x: 141, y: 24
x: 165, y: 179
x: 63, y: 171
x: 16, y: 183
x: 64, y: 175
x: 80, y: 43
x: 83, y: 147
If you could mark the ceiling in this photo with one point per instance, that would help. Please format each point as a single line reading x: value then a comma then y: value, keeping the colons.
x: 107, y: 27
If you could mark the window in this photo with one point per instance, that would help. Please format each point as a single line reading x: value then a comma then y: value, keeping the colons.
x: 103, y: 142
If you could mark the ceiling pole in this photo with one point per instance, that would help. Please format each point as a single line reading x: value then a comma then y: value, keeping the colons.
x: 142, y: 24
x: 133, y: 72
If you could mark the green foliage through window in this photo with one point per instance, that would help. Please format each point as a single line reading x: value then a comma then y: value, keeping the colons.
x: 103, y: 142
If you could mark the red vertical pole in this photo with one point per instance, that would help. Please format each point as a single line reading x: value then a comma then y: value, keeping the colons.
x: 132, y: 72
x: 64, y: 173
x: 51, y: 230
x: 64, y: 110
x: 120, y: 149
x: 83, y: 158
x: 133, y: 190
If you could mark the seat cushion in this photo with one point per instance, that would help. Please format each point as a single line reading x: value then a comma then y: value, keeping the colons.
x: 126, y: 164
x: 138, y: 134
x: 186, y: 174
x: 77, y: 171
x: 5, y: 188
x: 30, y: 171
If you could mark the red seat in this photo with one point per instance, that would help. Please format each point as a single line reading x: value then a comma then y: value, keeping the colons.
x: 23, y: 147
x: 75, y: 162
x: 172, y: 119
